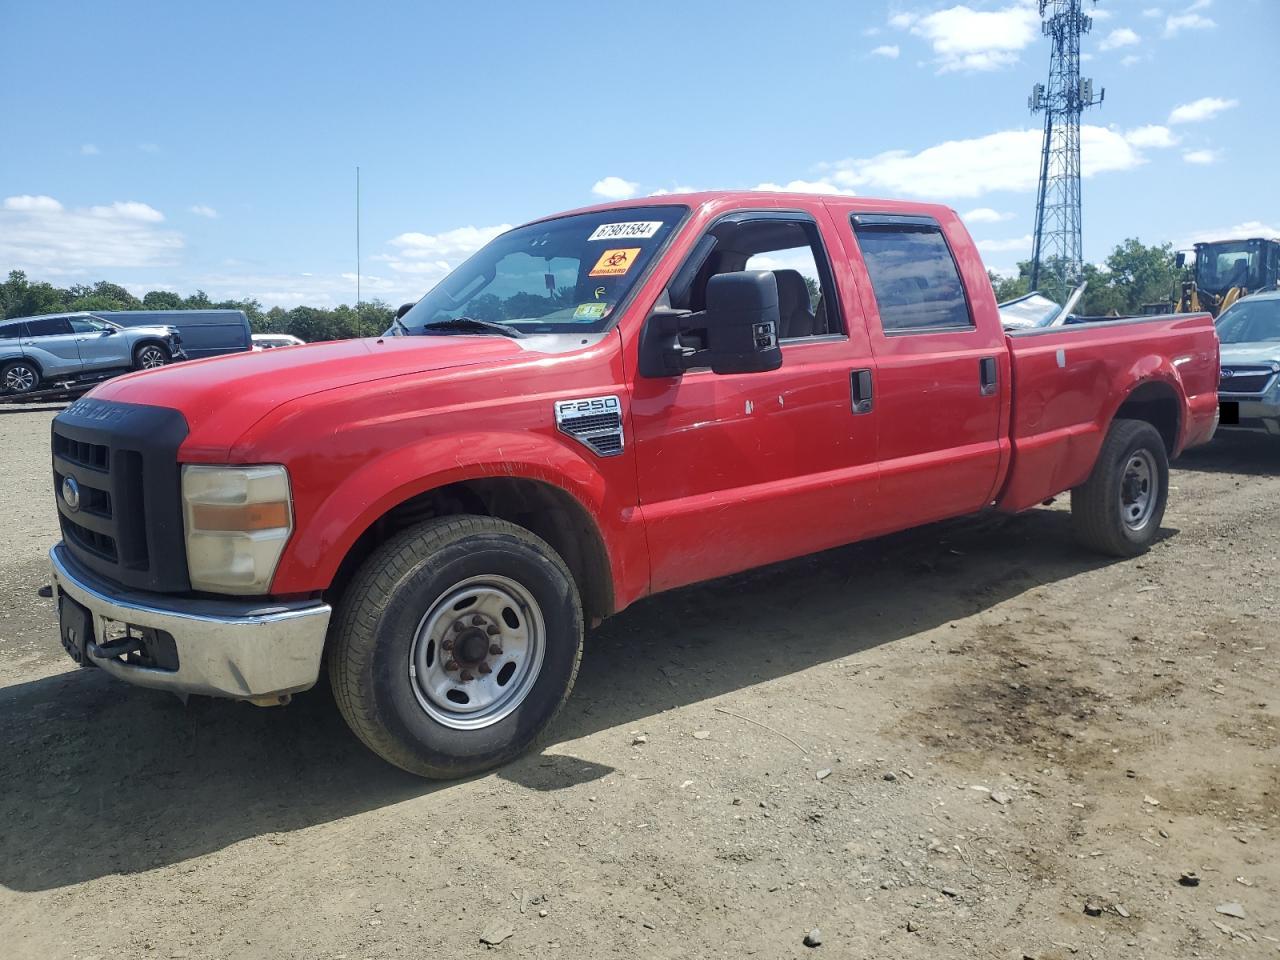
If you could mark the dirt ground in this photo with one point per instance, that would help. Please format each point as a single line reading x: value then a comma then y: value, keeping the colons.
x: 1014, y: 730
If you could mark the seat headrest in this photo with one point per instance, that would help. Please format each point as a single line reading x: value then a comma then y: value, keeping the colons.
x: 793, y: 292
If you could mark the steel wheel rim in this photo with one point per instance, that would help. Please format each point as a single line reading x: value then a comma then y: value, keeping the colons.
x: 447, y: 645
x: 19, y: 379
x: 1139, y: 490
x: 151, y: 357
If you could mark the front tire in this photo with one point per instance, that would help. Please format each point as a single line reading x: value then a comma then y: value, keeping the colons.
x: 19, y: 377
x: 149, y: 356
x: 1118, y: 510
x: 455, y: 645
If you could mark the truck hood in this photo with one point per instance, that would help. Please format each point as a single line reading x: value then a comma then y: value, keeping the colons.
x: 1250, y: 353
x: 221, y: 397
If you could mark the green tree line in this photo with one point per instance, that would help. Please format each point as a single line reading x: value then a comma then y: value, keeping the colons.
x: 20, y: 297
x: 1132, y: 275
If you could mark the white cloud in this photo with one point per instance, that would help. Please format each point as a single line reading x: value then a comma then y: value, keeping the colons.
x: 1100, y: 15
x: 889, y: 50
x: 974, y: 40
x: 871, y: 31
x: 1121, y: 37
x: 1152, y: 13
x: 957, y: 169
x: 615, y: 188
x: 1246, y: 230
x: 805, y: 186
x: 38, y: 234
x: 27, y: 202
x: 128, y: 210
x: 418, y: 260
x: 1012, y: 245
x: 89, y: 150
x: 1175, y: 23
x: 204, y: 210
x: 1202, y: 109
x: 1130, y: 60
x: 986, y: 215
x: 1152, y: 135
x: 668, y: 191
x: 1201, y: 157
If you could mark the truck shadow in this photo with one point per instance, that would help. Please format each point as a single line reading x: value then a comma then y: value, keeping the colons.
x: 100, y: 778
x: 1249, y: 454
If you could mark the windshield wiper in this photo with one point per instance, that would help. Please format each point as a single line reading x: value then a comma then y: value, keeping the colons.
x: 472, y: 325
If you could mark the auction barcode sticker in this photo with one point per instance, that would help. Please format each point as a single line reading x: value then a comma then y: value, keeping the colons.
x: 635, y: 230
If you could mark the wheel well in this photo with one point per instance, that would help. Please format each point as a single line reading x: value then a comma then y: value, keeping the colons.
x: 1157, y: 404
x: 150, y: 342
x: 541, y: 508
x: 27, y: 360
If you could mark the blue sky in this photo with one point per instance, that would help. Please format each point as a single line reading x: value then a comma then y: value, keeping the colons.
x: 178, y: 145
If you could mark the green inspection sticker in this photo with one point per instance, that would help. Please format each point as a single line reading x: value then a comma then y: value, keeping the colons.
x: 590, y: 311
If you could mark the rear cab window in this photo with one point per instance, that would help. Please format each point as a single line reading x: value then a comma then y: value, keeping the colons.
x: 914, y: 277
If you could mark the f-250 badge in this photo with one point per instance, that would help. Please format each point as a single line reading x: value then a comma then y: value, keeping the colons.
x: 593, y: 421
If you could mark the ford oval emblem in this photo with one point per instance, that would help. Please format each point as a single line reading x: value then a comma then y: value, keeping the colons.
x: 71, y: 494
x: 1227, y: 373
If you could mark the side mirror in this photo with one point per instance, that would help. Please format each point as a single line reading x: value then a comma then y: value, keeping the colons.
x: 108, y: 332
x: 742, y: 322
x: 1180, y: 260
x: 404, y: 308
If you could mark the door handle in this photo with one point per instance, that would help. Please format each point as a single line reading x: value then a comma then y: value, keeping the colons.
x: 988, y: 377
x: 862, y: 390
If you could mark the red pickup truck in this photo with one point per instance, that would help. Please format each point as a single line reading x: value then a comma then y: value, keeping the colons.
x: 595, y: 407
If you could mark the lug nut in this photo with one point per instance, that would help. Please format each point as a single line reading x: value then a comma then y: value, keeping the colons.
x: 451, y: 664
x: 477, y: 621
x: 495, y: 649
x: 485, y: 668
x: 447, y: 643
x: 457, y: 625
x: 491, y: 630
x: 466, y: 675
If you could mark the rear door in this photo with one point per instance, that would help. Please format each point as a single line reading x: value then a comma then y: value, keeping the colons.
x: 51, y: 343
x: 938, y: 390
x: 739, y: 470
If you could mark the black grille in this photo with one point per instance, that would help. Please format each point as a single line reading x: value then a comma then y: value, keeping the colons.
x: 116, y: 484
x: 1244, y: 380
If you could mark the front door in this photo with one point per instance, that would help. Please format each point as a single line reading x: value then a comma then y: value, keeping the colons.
x: 739, y: 470
x: 52, y: 344
x: 101, y: 345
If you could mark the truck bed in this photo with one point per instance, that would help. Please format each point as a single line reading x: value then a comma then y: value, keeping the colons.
x: 1063, y: 394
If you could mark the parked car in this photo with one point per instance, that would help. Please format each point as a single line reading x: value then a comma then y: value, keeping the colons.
x: 595, y: 407
x: 270, y: 341
x: 205, y: 333
x: 78, y: 346
x: 1249, y: 390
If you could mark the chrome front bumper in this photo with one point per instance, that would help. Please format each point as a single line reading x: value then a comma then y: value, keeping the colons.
x: 244, y: 649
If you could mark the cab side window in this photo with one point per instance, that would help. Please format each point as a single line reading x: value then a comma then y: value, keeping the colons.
x: 789, y: 247
x: 913, y: 274
x: 80, y: 325
x: 48, y: 326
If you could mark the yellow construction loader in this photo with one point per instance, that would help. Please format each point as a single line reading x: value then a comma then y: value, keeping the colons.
x: 1225, y: 271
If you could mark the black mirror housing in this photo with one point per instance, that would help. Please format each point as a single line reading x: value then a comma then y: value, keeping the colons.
x: 743, y: 322
x: 1180, y: 260
x: 403, y: 309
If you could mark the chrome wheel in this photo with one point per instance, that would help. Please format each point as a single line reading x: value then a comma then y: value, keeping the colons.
x: 477, y: 652
x: 1139, y: 490
x: 151, y: 357
x: 20, y: 378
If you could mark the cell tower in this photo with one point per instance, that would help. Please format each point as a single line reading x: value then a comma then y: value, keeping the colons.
x: 1058, y: 250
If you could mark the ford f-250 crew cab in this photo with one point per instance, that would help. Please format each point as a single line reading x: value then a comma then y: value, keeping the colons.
x: 595, y: 407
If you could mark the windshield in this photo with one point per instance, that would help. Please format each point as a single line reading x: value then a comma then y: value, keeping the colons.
x: 559, y: 276
x: 1221, y: 266
x: 1250, y: 321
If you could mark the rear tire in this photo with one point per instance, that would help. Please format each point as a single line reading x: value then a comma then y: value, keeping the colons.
x: 1118, y: 510
x: 149, y: 356
x: 455, y: 645
x: 19, y: 377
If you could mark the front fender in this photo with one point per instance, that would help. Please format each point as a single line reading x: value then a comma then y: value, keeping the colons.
x: 332, y: 517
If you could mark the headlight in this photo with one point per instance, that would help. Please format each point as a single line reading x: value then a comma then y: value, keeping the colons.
x: 237, y: 520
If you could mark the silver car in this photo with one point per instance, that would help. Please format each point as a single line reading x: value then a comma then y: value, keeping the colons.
x: 78, y: 346
x: 1249, y: 389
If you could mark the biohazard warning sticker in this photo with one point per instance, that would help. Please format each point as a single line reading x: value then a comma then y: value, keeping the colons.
x: 614, y: 263
x: 632, y: 230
